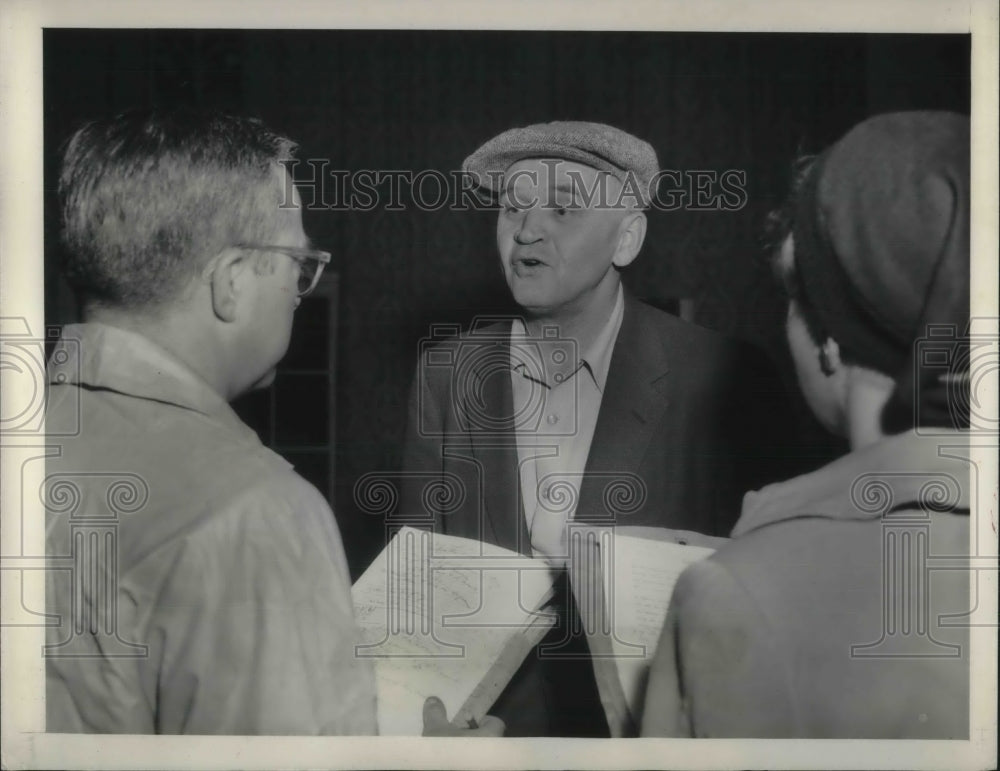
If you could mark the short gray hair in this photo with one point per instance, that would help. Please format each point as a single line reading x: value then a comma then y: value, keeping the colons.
x: 148, y: 198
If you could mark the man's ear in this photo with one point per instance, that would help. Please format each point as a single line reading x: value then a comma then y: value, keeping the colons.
x: 228, y: 282
x: 631, y: 234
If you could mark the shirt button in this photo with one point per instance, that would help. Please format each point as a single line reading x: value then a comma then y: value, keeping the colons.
x: 552, y: 419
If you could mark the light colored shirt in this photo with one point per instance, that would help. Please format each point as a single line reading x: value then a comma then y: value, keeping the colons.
x: 554, y: 423
x: 203, y: 586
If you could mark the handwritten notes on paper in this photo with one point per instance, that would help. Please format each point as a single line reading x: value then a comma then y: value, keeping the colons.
x: 623, y: 579
x: 638, y: 585
x: 447, y: 617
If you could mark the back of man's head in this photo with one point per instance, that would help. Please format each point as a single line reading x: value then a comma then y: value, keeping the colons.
x: 148, y: 198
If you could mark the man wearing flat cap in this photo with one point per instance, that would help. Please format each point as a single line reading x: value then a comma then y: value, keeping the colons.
x: 592, y: 407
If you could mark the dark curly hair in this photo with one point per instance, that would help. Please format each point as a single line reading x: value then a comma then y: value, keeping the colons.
x: 778, y: 226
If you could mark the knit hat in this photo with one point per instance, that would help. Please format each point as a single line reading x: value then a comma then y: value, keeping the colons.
x: 882, y: 247
x: 602, y: 147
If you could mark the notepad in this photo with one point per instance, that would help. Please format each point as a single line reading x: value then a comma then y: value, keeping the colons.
x: 448, y: 617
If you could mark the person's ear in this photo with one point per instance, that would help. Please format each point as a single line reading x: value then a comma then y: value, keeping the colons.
x: 631, y: 234
x: 229, y: 271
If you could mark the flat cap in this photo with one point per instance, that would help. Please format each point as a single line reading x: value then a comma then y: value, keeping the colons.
x: 602, y: 147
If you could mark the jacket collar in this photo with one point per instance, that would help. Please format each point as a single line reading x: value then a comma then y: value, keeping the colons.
x: 99, y: 356
x: 635, y: 397
x: 903, y: 471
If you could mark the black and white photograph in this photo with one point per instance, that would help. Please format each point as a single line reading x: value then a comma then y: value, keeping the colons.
x: 429, y: 387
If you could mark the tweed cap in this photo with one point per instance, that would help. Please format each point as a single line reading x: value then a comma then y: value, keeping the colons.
x: 602, y: 147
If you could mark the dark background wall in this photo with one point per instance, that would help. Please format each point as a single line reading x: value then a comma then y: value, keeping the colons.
x: 424, y: 100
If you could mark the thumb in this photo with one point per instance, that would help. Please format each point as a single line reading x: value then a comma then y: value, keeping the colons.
x: 435, y: 715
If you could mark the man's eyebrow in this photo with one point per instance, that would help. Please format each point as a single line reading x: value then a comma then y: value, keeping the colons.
x: 566, y: 187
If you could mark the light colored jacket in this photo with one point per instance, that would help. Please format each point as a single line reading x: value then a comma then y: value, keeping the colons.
x: 826, y: 616
x: 199, y: 583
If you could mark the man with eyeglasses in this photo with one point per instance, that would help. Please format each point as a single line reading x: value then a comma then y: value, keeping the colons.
x: 219, y: 600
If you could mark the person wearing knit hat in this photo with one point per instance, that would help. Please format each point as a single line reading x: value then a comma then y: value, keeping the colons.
x: 588, y: 392
x: 822, y: 617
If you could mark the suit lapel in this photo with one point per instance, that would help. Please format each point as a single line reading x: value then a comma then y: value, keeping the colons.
x: 635, y: 396
x: 489, y: 412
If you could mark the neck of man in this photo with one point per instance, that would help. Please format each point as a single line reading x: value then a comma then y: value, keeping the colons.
x: 175, y: 330
x: 581, y: 321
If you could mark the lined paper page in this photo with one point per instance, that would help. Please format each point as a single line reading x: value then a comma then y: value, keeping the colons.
x: 639, y: 575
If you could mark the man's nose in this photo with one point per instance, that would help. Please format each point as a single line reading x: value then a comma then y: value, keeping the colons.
x: 529, y: 229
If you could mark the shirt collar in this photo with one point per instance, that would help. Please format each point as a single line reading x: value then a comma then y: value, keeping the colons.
x: 596, y: 360
x: 101, y: 356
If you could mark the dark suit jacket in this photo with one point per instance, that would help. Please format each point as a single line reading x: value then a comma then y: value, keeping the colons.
x: 689, y: 421
x: 687, y: 424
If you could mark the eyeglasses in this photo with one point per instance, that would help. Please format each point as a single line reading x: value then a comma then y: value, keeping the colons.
x: 311, y: 263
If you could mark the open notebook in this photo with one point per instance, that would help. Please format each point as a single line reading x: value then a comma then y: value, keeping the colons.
x: 448, y: 617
